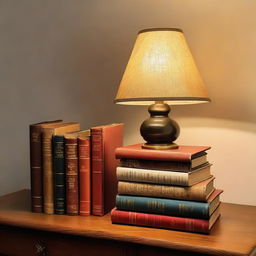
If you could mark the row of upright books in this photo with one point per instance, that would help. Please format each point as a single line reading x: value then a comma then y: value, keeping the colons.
x: 172, y: 189
x: 72, y: 169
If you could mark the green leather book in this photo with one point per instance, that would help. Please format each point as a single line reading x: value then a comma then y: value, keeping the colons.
x: 59, y: 174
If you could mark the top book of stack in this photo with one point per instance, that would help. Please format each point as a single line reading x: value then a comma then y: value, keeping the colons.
x: 183, y: 159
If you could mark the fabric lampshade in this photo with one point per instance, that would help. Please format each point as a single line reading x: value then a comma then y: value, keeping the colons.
x: 161, y: 68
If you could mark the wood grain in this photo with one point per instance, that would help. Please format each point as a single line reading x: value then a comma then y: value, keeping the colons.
x: 233, y: 234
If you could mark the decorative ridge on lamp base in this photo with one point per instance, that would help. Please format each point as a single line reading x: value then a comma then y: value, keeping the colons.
x: 160, y: 146
x: 159, y: 131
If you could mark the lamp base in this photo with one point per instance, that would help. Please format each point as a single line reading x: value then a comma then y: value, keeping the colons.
x: 159, y: 131
x: 160, y: 146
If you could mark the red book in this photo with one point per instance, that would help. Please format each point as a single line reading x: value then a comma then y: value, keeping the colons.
x: 105, y: 139
x: 84, y: 157
x: 163, y: 221
x: 71, y: 162
x: 183, y: 153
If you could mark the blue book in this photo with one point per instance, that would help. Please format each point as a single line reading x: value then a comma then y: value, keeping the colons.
x: 170, y: 207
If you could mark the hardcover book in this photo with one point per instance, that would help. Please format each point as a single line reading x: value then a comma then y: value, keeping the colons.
x: 183, y: 153
x: 59, y: 174
x: 105, y: 139
x: 84, y: 162
x: 177, y: 166
x: 163, y: 177
x: 76, y: 168
x: 170, y: 207
x: 48, y: 181
x: 163, y: 221
x: 71, y: 159
x: 35, y: 135
x: 198, y: 192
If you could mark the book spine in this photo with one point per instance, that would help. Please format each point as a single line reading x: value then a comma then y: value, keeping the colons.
x: 71, y: 161
x: 164, y: 191
x: 156, y: 165
x: 97, y: 172
x: 84, y: 148
x: 160, y: 221
x: 36, y: 169
x: 48, y: 172
x: 170, y: 207
x: 59, y: 175
x: 152, y: 176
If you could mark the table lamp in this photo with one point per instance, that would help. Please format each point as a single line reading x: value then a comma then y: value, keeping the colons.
x: 160, y: 72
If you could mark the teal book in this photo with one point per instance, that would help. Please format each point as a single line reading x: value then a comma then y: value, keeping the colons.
x: 170, y: 207
x: 59, y: 174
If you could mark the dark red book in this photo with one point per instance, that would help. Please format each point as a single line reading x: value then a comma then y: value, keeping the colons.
x: 105, y: 139
x: 183, y: 153
x: 71, y: 162
x: 84, y: 158
x: 163, y: 221
x: 35, y: 136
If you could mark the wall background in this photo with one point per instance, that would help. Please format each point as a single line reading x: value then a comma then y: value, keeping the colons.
x: 64, y: 59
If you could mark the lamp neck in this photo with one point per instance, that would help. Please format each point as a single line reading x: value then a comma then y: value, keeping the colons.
x: 159, y: 108
x: 159, y: 102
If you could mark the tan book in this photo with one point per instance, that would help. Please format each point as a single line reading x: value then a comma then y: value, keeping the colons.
x: 35, y: 132
x: 198, y: 192
x: 48, y: 184
x: 163, y: 177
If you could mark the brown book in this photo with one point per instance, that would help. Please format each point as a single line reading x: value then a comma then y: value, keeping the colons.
x: 84, y: 162
x: 48, y: 184
x: 71, y: 162
x: 198, y: 192
x: 35, y: 135
x: 183, y: 153
x: 177, y: 166
x: 105, y: 139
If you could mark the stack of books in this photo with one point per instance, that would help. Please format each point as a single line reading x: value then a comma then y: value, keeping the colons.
x: 73, y: 170
x: 171, y: 189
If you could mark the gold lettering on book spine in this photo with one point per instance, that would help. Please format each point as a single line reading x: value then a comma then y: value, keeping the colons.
x: 156, y: 206
x: 59, y: 150
x: 153, y: 176
x: 47, y: 172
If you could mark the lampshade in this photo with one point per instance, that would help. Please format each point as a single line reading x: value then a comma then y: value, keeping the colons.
x: 161, y: 68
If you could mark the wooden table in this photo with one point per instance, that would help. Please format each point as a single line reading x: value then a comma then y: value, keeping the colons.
x: 25, y: 233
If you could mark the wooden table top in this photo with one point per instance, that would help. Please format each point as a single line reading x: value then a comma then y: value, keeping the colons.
x: 233, y: 234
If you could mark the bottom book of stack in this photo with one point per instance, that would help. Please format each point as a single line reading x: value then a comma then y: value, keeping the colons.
x: 167, y: 213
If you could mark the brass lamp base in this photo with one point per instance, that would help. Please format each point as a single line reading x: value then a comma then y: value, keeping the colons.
x: 159, y: 131
x: 160, y: 146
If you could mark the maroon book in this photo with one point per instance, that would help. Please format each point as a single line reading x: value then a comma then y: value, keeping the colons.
x: 105, y: 139
x: 35, y: 135
x: 84, y: 155
x: 71, y: 162
x: 163, y: 221
x: 183, y: 153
